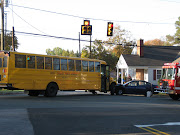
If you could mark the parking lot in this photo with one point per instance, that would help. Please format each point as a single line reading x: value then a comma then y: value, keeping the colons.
x: 81, y: 113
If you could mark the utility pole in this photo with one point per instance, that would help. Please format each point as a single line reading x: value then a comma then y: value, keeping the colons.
x: 2, y: 25
x: 13, y: 46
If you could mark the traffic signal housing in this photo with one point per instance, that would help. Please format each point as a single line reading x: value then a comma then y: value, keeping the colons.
x: 86, y: 29
x: 110, y: 29
x: 87, y: 22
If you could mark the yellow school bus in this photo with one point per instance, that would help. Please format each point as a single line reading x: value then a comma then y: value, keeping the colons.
x: 45, y: 74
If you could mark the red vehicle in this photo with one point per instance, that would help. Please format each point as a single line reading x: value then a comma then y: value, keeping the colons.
x: 170, y: 81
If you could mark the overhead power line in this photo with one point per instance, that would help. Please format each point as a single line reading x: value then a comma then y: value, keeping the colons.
x: 53, y: 12
x: 104, y: 42
x: 65, y: 38
x: 26, y: 21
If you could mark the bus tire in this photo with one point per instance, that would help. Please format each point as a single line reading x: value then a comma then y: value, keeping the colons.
x: 33, y: 93
x: 112, y: 88
x: 174, y: 97
x: 51, y: 90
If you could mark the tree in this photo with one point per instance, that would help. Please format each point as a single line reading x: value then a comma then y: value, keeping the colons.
x: 111, y: 49
x: 61, y: 52
x: 120, y: 43
x: 175, y: 39
x: 158, y: 42
x: 177, y: 34
x: 99, y: 51
x: 8, y: 42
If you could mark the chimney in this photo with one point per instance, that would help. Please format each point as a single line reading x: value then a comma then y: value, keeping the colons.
x: 140, y: 48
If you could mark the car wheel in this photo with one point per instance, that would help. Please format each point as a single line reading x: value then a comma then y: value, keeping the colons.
x: 119, y: 92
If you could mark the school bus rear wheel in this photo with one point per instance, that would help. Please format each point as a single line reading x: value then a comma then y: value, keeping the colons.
x: 51, y: 90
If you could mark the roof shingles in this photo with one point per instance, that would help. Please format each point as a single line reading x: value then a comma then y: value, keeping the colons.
x: 154, y: 56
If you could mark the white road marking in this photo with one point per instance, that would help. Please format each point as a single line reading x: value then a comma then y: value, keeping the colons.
x: 165, y: 124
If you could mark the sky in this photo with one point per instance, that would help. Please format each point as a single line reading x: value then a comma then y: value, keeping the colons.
x: 145, y: 19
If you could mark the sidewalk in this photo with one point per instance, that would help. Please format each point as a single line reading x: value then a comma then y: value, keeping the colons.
x: 11, y: 92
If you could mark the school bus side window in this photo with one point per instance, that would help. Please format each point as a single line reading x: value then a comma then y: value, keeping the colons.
x: 97, y: 66
x: 71, y: 65
x: 63, y: 64
x: 85, y: 65
x: 31, y: 62
x: 20, y: 61
x: 91, y: 66
x: 48, y: 63
x: 5, y: 61
x: 56, y: 64
x: 40, y: 62
x: 78, y: 65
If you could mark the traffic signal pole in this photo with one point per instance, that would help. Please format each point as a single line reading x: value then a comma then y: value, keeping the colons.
x: 90, y: 46
x: 79, y: 45
x: 13, y: 46
x: 2, y: 25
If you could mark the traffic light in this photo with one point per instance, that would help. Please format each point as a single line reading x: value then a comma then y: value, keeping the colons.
x: 87, y: 22
x: 86, y: 30
x: 83, y: 30
x: 89, y: 30
x: 110, y: 29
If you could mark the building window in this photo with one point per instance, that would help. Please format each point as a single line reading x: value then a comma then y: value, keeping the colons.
x: 158, y: 74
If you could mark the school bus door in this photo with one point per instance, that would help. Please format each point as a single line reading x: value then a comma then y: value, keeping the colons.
x: 105, y: 77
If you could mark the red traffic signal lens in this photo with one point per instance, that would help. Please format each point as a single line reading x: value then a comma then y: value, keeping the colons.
x: 87, y: 22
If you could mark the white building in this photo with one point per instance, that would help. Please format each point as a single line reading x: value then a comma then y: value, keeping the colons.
x: 145, y: 62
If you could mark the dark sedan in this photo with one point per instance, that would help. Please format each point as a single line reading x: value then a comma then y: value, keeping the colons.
x: 135, y: 87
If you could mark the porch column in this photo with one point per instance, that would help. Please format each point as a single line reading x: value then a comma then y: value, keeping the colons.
x: 117, y: 74
x: 122, y: 76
